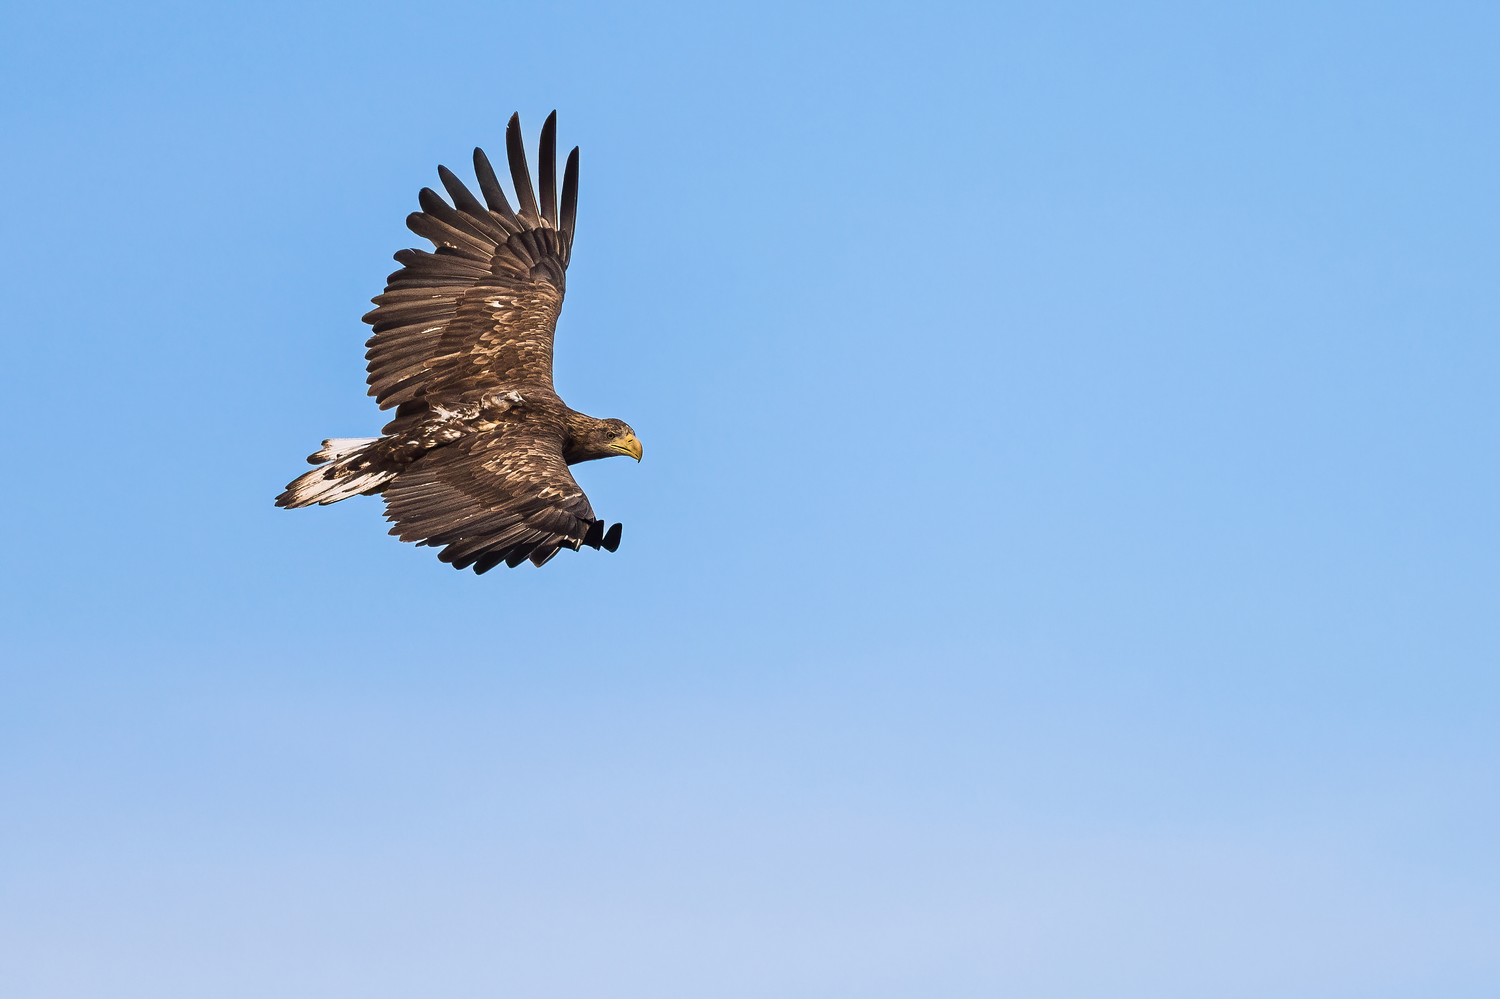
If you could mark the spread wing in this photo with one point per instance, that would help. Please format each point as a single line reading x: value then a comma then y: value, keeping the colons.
x: 505, y: 495
x: 475, y: 318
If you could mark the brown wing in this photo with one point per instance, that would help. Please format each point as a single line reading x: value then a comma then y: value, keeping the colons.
x: 476, y: 317
x: 505, y: 495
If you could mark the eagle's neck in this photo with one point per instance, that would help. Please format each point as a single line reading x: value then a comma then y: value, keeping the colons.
x: 583, y: 441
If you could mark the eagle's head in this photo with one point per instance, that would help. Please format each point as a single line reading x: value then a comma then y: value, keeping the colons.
x: 601, y: 439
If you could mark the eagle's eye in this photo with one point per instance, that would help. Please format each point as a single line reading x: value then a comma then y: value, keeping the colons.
x: 612, y: 434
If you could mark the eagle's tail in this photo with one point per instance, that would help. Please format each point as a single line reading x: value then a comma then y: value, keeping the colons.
x: 345, y: 474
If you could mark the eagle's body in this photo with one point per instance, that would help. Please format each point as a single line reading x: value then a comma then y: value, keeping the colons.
x: 476, y: 459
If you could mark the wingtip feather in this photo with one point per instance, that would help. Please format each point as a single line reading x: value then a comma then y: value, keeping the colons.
x: 546, y: 161
x: 520, y: 173
x: 489, y: 185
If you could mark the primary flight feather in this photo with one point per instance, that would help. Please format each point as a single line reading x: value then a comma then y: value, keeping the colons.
x: 476, y: 460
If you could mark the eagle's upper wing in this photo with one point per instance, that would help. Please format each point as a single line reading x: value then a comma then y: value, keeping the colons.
x: 504, y: 495
x: 476, y: 317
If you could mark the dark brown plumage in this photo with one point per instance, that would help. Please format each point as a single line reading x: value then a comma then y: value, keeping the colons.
x: 476, y: 459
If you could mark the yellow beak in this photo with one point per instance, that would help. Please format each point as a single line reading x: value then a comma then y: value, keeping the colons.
x: 628, y: 445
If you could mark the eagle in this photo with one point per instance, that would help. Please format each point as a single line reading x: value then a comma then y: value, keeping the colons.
x: 476, y: 460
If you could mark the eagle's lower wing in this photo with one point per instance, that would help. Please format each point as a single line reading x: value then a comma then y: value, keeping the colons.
x: 501, y: 496
x: 475, y: 318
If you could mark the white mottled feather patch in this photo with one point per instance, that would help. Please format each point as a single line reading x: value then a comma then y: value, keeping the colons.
x: 329, y: 483
x: 335, y: 448
x: 313, y: 487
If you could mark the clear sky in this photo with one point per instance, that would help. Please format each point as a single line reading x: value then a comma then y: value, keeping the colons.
x: 1064, y: 562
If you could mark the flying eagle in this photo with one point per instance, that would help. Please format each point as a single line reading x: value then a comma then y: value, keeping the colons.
x: 476, y: 460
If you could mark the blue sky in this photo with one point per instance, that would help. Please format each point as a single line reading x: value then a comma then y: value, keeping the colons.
x: 1063, y: 565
